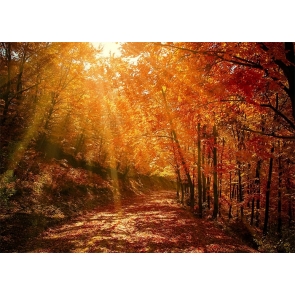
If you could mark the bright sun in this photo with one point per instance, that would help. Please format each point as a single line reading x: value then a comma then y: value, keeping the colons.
x: 108, y: 47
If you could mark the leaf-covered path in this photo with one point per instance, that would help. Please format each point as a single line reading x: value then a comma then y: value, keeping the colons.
x: 149, y: 223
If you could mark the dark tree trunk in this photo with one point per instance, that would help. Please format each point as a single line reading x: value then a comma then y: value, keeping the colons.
x: 208, y: 191
x: 19, y: 85
x: 208, y: 184
x: 7, y: 94
x: 177, y: 189
x: 248, y: 184
x: 267, y: 195
x: 252, y: 210
x: 289, y: 71
x: 240, y: 188
x: 290, y: 215
x: 204, y: 187
x: 215, y: 189
x: 230, y: 197
x: 257, y: 215
x: 256, y: 192
x: 200, y: 196
x: 280, y: 192
x: 182, y: 193
x: 220, y: 178
x: 178, y: 182
x: 192, y: 195
x: 203, y: 175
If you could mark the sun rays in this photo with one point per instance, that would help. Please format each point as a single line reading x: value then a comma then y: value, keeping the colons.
x: 111, y: 122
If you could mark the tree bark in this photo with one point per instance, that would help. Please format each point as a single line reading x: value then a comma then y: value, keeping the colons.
x: 267, y: 195
x: 290, y: 73
x: 208, y: 192
x: 200, y: 196
x: 280, y: 192
x: 240, y: 187
x: 230, y: 197
x: 256, y: 192
x: 215, y: 189
x: 179, y: 151
x: 203, y: 165
x: 6, y: 96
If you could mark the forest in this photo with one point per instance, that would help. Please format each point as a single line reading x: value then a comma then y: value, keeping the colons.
x: 164, y: 147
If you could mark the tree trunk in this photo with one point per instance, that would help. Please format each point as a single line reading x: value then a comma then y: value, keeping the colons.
x: 290, y: 213
x: 178, y: 183
x: 182, y: 192
x: 19, y: 85
x: 6, y: 96
x: 200, y: 196
x: 280, y: 192
x: 215, y: 189
x: 288, y: 187
x: 252, y: 210
x: 208, y: 192
x: 290, y: 73
x: 240, y: 187
x: 220, y: 178
x: 267, y: 195
x: 256, y: 192
x: 230, y: 197
x: 203, y: 174
x: 177, y: 188
x: 204, y: 187
x: 208, y: 183
x: 179, y: 151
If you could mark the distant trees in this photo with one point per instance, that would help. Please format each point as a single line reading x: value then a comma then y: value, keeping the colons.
x: 243, y: 90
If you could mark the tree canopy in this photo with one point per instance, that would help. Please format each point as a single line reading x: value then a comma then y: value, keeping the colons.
x: 218, y: 118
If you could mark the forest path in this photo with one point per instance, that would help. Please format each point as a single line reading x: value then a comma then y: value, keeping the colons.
x: 153, y: 222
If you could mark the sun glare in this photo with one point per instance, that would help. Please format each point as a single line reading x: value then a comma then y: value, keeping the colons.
x: 109, y: 48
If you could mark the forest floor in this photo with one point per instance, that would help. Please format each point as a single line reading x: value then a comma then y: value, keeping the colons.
x: 152, y: 222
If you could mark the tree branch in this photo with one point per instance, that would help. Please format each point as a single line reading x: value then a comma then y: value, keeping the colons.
x: 166, y: 136
x: 269, y: 134
x: 279, y: 114
x: 239, y: 60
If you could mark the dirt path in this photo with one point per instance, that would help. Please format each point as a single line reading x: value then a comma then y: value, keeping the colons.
x: 150, y: 223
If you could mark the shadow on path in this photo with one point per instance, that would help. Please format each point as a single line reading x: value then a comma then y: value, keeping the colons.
x: 150, y: 223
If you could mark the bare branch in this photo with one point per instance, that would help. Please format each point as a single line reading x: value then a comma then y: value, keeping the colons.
x: 236, y: 60
x: 269, y: 134
x: 279, y: 113
x: 21, y: 91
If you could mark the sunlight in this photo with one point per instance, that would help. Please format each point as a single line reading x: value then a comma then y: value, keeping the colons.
x: 107, y: 106
x: 109, y: 48
x: 114, y: 126
x: 22, y: 146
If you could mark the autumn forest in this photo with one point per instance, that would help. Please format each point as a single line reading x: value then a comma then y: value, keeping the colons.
x: 163, y: 147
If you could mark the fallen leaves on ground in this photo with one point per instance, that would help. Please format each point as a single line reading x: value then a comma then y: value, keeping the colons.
x: 149, y: 223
